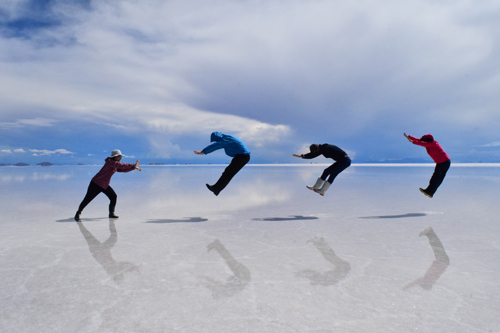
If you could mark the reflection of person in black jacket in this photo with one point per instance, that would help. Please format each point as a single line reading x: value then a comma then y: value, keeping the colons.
x: 342, y: 267
x: 342, y: 162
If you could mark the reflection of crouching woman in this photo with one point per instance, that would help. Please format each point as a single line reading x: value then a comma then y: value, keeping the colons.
x: 100, y: 182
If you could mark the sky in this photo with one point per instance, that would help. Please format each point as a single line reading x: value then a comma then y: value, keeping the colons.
x: 154, y: 78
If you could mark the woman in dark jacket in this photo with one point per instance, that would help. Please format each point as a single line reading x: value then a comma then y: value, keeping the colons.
x: 100, y: 182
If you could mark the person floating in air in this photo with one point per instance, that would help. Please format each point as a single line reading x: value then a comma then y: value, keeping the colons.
x: 437, y: 153
x: 233, y: 148
x: 342, y: 162
x: 100, y: 182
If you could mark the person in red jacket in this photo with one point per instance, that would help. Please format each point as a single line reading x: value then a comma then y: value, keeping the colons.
x: 100, y: 182
x: 437, y: 153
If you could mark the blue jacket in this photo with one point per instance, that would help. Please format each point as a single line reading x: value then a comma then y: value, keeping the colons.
x: 232, y: 145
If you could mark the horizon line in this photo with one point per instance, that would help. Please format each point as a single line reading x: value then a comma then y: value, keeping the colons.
x: 362, y: 164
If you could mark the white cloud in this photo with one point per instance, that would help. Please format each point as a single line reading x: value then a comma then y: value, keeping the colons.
x: 19, y: 150
x: 37, y: 152
x: 260, y: 70
x: 116, y: 126
x: 41, y: 122
x: 6, y: 151
x: 162, y: 147
x: 177, y: 120
x: 492, y: 144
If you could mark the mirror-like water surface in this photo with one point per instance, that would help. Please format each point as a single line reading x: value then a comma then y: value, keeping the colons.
x: 266, y: 255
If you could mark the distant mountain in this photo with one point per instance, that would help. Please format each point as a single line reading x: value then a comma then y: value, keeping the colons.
x: 21, y: 164
x: 5, y: 164
x: 45, y: 164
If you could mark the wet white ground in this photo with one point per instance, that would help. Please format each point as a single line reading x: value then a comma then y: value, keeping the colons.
x: 266, y: 255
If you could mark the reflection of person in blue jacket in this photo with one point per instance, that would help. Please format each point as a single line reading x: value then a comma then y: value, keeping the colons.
x: 233, y: 148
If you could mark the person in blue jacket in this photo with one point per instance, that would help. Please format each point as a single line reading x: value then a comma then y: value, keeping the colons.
x: 233, y: 148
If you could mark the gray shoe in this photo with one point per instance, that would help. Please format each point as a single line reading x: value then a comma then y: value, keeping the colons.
x: 323, y: 188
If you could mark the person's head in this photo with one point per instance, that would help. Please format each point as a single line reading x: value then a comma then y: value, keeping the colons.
x: 314, y: 147
x: 116, y: 155
x: 427, y: 138
x: 216, y: 136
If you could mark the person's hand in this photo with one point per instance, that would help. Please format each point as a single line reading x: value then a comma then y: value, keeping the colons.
x: 197, y: 152
x: 297, y: 155
x: 136, y: 166
x: 406, y: 136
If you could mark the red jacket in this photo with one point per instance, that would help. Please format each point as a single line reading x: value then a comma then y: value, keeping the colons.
x: 103, y: 177
x: 433, y: 148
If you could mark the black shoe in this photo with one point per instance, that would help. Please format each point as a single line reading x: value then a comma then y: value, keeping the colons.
x: 77, y: 216
x: 211, y: 188
x: 427, y: 194
x: 113, y: 216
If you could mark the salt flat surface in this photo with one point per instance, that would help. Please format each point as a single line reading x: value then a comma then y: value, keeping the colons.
x: 266, y: 255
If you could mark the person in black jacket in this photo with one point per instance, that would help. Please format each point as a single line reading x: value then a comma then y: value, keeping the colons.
x: 342, y: 162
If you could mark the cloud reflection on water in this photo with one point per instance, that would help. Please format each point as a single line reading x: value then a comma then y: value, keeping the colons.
x: 35, y: 176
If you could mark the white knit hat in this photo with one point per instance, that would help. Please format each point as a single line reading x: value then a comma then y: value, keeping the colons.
x: 115, y: 153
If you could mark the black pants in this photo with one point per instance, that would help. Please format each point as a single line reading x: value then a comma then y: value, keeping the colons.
x: 232, y: 169
x: 93, y: 191
x: 333, y: 170
x: 437, y: 177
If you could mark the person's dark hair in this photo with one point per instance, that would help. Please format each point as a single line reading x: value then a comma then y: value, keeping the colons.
x: 427, y: 138
x: 314, y: 147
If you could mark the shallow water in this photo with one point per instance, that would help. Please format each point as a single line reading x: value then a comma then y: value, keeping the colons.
x: 266, y: 255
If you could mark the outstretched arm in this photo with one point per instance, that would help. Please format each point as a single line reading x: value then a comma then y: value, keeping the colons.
x: 136, y: 166
x: 408, y: 137
x: 418, y: 142
x: 297, y: 155
x: 198, y: 152
x: 126, y: 167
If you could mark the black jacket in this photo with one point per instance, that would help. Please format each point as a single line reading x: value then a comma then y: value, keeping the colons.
x: 328, y: 151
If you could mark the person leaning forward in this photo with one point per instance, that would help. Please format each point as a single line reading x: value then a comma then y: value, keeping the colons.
x: 234, y: 148
x: 342, y: 162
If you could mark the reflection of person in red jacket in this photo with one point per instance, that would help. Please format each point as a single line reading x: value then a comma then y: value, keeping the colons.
x: 437, y: 153
x: 100, y: 182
